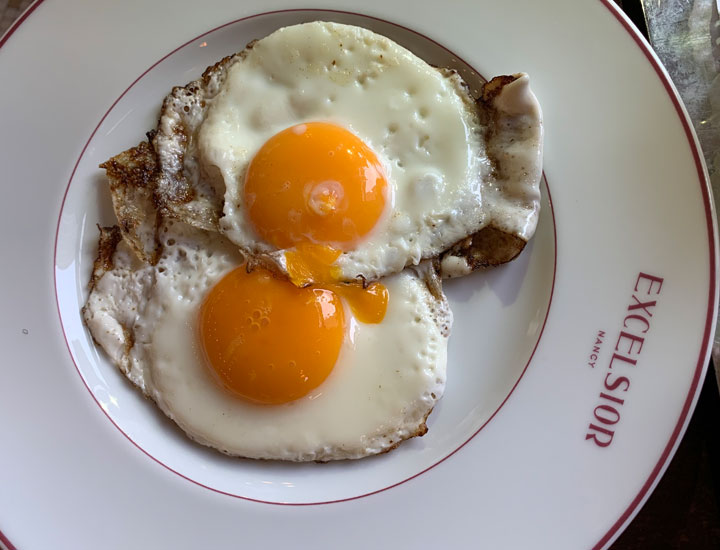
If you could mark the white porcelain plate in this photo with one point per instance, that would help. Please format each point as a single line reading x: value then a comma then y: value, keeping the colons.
x: 572, y: 371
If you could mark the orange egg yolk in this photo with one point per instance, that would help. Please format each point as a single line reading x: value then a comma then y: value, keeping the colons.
x: 315, y: 183
x: 267, y: 340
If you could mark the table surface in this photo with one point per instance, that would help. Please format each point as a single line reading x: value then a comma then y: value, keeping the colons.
x: 684, y: 510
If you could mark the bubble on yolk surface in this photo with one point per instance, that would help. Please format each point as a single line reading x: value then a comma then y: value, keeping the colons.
x: 267, y: 340
x: 315, y: 183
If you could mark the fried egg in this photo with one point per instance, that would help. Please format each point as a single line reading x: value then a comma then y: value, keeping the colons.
x: 329, y: 140
x: 253, y: 366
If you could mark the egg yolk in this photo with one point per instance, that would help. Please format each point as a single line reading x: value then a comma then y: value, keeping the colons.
x: 267, y: 340
x: 315, y: 183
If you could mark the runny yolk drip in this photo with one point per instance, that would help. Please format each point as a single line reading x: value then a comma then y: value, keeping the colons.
x: 312, y: 265
x: 367, y: 304
x: 267, y: 340
x: 317, y: 190
x: 308, y: 263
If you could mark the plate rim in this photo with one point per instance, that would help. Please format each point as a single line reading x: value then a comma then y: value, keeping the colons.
x: 711, y: 313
